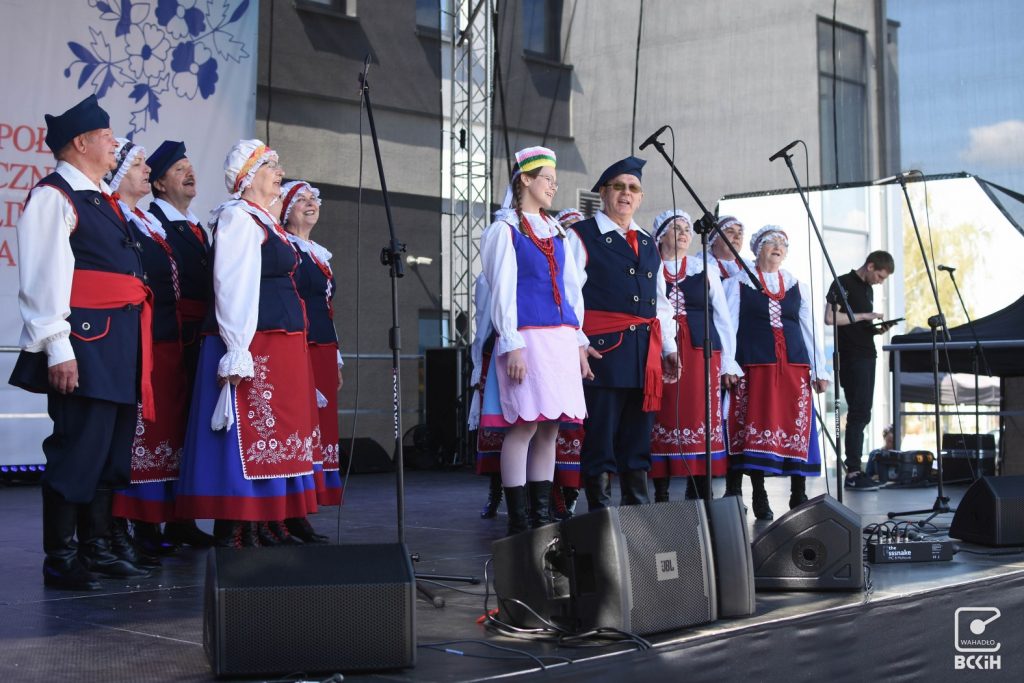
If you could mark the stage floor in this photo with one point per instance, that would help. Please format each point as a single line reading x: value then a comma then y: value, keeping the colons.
x: 151, y: 630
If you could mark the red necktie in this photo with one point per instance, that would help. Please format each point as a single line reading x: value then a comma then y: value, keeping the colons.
x: 198, y: 232
x: 112, y: 200
x: 631, y: 238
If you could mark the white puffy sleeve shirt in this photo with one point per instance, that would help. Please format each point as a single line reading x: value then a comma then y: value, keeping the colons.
x: 502, y: 273
x: 237, y: 267
x: 46, y: 266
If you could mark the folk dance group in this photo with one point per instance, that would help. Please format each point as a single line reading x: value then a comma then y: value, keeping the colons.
x: 589, y: 354
x: 191, y: 371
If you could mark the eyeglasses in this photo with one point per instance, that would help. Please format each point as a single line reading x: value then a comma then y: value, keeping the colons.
x: 551, y: 181
x: 622, y: 187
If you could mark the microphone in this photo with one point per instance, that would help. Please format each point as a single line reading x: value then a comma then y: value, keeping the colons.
x: 782, y: 152
x: 899, y: 176
x: 948, y: 269
x: 654, y: 138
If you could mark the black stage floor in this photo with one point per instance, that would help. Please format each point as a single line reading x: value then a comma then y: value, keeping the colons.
x: 152, y: 630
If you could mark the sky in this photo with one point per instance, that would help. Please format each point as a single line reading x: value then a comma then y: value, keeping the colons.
x: 961, y: 80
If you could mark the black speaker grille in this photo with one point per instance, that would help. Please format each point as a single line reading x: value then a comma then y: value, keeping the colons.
x: 670, y: 572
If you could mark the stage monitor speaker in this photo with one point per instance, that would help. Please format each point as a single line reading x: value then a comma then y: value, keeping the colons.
x: 734, y: 564
x: 641, y: 568
x: 531, y: 579
x: 961, y: 460
x: 316, y: 608
x: 991, y: 512
x: 815, y: 546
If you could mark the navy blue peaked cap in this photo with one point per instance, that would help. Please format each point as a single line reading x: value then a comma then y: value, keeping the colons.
x: 85, y: 116
x: 630, y: 165
x: 166, y: 155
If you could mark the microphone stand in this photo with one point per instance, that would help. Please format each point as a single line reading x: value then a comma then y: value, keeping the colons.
x: 935, y: 322
x: 835, y: 317
x: 977, y: 354
x: 391, y: 258
x: 705, y: 226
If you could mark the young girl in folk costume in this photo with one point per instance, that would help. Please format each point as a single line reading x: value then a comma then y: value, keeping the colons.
x: 156, y: 450
x: 252, y: 424
x: 678, y: 437
x: 770, y: 425
x: 539, y: 357
x: 300, y: 211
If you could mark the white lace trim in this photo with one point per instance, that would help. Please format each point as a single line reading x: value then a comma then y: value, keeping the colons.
x: 261, y: 214
x: 148, y: 222
x: 311, y: 247
x: 247, y: 180
x: 125, y: 166
x: 237, y: 362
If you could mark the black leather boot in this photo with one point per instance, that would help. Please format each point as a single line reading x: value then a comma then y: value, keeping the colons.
x: 515, y: 503
x: 734, y: 483
x: 123, y: 545
x: 760, y: 497
x: 228, y: 533
x: 570, y: 495
x: 797, y: 491
x: 696, y: 485
x: 187, y: 533
x: 265, y: 536
x: 283, y: 535
x: 62, y: 569
x: 150, y: 539
x: 304, y: 531
x: 661, y: 487
x: 633, y: 488
x: 94, y: 540
x: 540, y: 503
x: 490, y: 510
x: 599, y: 491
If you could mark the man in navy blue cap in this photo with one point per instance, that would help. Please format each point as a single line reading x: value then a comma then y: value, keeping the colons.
x: 173, y: 181
x: 83, y: 299
x: 631, y: 329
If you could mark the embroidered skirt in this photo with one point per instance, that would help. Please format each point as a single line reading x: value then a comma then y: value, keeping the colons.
x: 261, y: 467
x: 324, y: 359
x: 677, y: 439
x: 156, y: 450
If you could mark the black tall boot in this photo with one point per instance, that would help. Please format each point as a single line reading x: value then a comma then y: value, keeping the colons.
x: 490, y: 510
x: 187, y: 533
x: 123, y: 545
x: 797, y: 491
x: 633, y: 488
x: 515, y: 503
x: 283, y: 534
x: 734, y: 483
x: 570, y: 495
x: 540, y: 503
x: 696, y: 485
x: 599, y: 491
x: 661, y: 487
x: 150, y: 539
x: 62, y: 569
x: 760, y: 496
x: 232, y: 533
x: 304, y: 531
x: 94, y: 540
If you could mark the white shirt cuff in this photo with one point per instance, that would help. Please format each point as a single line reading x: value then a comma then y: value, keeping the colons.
x: 59, y: 350
x: 237, y: 362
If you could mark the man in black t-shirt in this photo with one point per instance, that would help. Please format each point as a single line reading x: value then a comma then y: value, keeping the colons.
x: 856, y: 343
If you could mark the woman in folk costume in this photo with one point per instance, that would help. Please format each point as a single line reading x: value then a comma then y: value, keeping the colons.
x: 539, y: 357
x: 770, y: 424
x: 156, y: 449
x: 252, y: 424
x: 678, y: 437
x: 300, y: 211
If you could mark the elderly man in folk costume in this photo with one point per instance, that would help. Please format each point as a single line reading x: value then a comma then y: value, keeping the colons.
x: 86, y: 311
x: 631, y: 329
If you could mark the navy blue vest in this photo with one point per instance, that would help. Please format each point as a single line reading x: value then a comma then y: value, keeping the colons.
x: 755, y: 341
x: 621, y: 281
x: 535, y: 300
x: 105, y: 340
x: 280, y: 307
x: 312, y: 285
x: 158, y: 272
x: 692, y: 288
x: 195, y: 267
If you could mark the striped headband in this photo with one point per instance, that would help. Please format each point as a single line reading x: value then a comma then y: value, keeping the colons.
x: 253, y: 159
x: 288, y: 192
x: 762, y: 235
x: 532, y: 158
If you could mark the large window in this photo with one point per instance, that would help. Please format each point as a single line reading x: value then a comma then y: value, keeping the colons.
x: 542, y: 28
x: 843, y: 104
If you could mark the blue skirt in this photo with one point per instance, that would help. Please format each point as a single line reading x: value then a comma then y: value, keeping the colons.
x: 212, y: 484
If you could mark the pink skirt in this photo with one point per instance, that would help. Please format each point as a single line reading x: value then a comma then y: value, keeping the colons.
x: 553, y: 386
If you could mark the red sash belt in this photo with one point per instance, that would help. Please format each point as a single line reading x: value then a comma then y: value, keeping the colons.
x: 607, y: 322
x: 192, y: 310
x: 100, y: 289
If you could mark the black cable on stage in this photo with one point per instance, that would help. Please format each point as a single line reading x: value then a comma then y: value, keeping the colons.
x: 442, y: 646
x: 636, y: 78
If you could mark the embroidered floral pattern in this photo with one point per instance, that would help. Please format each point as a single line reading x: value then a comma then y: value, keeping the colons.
x: 268, y: 448
x: 152, y: 463
x: 776, y: 440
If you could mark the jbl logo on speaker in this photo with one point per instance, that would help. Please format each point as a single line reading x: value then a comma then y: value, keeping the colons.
x: 668, y: 566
